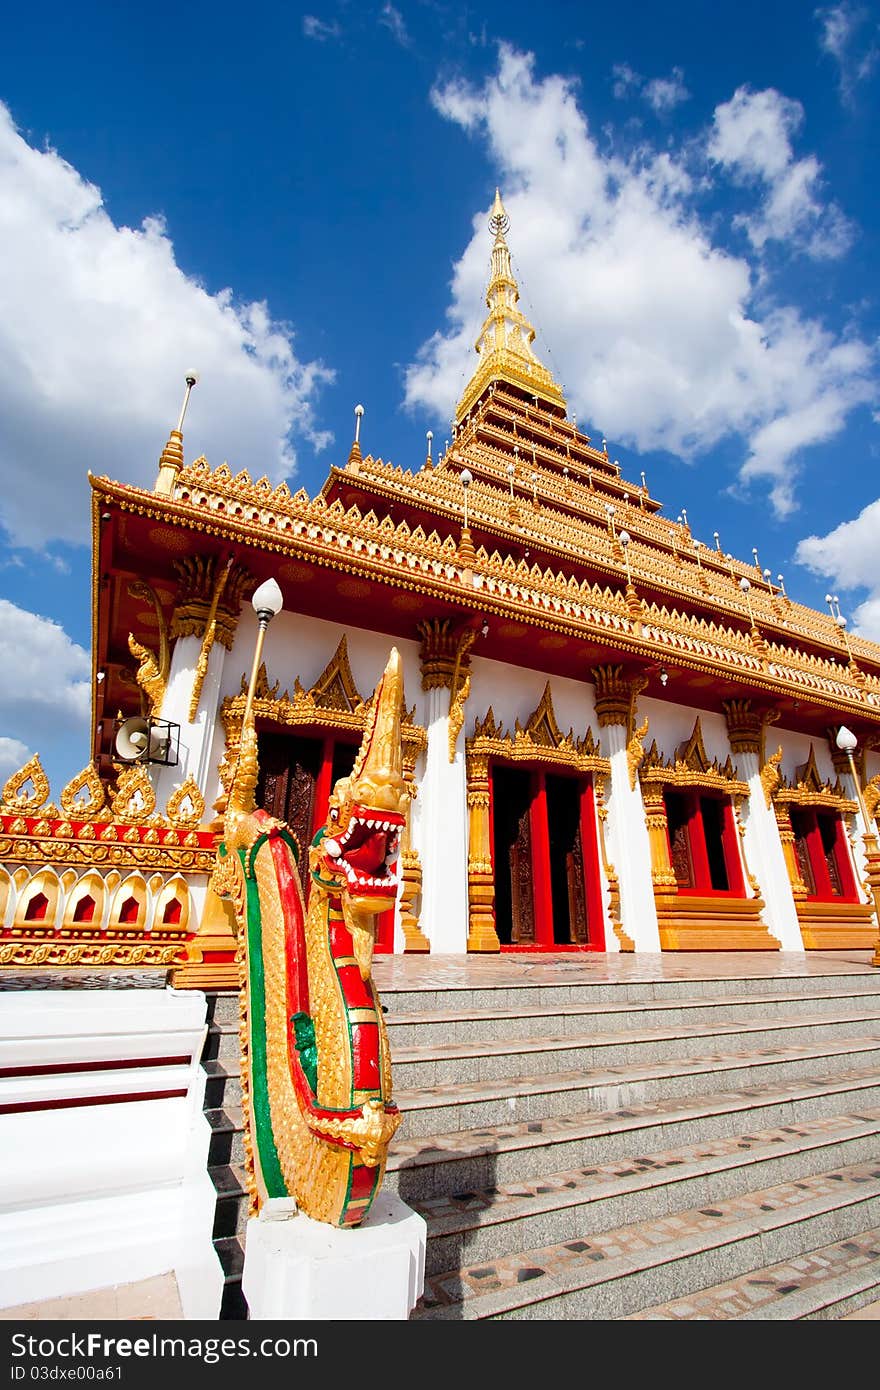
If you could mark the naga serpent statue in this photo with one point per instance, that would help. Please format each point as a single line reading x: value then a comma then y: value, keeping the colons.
x: 316, y: 1067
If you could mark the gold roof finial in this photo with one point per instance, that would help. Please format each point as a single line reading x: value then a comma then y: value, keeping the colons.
x: 171, y: 457
x: 504, y: 345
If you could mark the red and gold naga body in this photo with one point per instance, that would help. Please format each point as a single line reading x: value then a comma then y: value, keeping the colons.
x: 316, y: 1069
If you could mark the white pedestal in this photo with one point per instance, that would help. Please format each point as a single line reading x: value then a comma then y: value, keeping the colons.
x: 300, y: 1269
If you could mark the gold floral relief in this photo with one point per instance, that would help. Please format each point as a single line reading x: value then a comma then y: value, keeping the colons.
x: 18, y: 799
x: 186, y: 806
x: 80, y: 807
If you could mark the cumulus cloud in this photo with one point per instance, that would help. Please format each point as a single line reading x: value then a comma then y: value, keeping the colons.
x: 844, y: 38
x: 847, y: 558
x: 751, y: 139
x: 98, y: 326
x: 13, y: 755
x: 319, y: 29
x: 44, y: 689
x: 653, y: 327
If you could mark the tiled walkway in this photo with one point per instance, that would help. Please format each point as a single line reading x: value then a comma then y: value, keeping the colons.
x: 147, y: 1300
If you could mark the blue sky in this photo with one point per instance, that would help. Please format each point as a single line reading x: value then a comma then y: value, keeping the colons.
x: 293, y: 202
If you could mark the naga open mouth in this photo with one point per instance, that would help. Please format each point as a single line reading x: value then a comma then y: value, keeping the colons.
x: 366, y: 852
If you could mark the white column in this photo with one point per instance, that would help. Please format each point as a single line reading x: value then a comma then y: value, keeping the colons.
x: 196, y: 738
x: 441, y: 832
x: 766, y: 857
x: 630, y: 850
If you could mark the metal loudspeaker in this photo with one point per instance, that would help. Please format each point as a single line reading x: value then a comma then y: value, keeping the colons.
x: 140, y: 740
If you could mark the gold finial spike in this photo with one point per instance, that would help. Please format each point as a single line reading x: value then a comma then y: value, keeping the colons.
x: 171, y: 458
x: 504, y: 345
x: 499, y: 222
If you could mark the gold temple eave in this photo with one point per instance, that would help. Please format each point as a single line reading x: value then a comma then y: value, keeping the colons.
x: 299, y: 516
x: 385, y: 554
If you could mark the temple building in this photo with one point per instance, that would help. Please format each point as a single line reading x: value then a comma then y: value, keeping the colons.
x: 617, y: 738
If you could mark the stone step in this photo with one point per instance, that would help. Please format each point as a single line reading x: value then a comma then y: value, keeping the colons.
x: 468, y: 1105
x: 489, y: 1060
x: 223, y: 1084
x: 626, y: 1269
x: 571, y: 985
x: 493, y: 1023
x: 824, y: 1284
x: 222, y: 1041
x: 226, y: 1145
x: 522, y: 1215
x: 233, y: 1305
x: 223, y: 1007
x: 466, y: 1160
x: 231, y: 1212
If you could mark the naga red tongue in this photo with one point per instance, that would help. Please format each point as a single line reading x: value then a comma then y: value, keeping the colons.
x: 369, y: 853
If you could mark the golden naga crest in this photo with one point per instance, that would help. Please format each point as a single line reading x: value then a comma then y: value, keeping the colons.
x: 316, y: 1072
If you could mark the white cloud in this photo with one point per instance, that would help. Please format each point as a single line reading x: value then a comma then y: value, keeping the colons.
x: 98, y: 325
x: 843, y: 39
x: 319, y: 29
x: 847, y: 558
x: 13, y: 755
x: 665, y: 93
x: 662, y: 94
x: 651, y: 327
x: 751, y: 138
x: 626, y: 80
x: 393, y: 21
x: 44, y: 688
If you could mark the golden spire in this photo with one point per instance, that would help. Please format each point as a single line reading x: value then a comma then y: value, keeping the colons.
x: 504, y: 345
x: 171, y: 457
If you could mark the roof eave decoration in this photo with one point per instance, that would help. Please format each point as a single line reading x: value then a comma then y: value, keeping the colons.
x: 808, y: 789
x: 690, y: 767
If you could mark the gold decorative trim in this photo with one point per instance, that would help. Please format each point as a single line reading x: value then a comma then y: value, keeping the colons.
x: 208, y: 640
x: 186, y: 806
x: 690, y: 767
x: 808, y: 789
x: 770, y: 776
x: 459, y: 688
x: 152, y: 672
x: 134, y: 799
x: 17, y: 800
x: 87, y: 780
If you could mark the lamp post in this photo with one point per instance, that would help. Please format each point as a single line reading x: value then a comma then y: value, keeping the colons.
x: 511, y: 469
x: 267, y: 601
x: 746, y: 587
x: 848, y: 743
x: 467, y: 478
x: 624, y: 537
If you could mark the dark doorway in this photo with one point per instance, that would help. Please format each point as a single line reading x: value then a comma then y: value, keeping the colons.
x: 511, y: 849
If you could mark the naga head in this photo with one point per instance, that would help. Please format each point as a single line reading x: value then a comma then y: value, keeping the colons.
x: 355, y: 855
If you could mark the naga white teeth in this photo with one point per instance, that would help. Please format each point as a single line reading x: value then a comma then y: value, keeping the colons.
x: 333, y: 848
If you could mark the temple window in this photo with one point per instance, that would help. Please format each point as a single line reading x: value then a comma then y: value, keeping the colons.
x: 822, y: 854
x: 703, y: 847
x: 36, y: 908
x: 85, y: 909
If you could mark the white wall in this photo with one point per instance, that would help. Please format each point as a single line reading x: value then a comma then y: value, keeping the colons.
x: 103, y: 1180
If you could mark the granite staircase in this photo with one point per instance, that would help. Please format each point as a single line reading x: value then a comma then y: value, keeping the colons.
x: 638, y: 1148
x: 220, y: 1060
